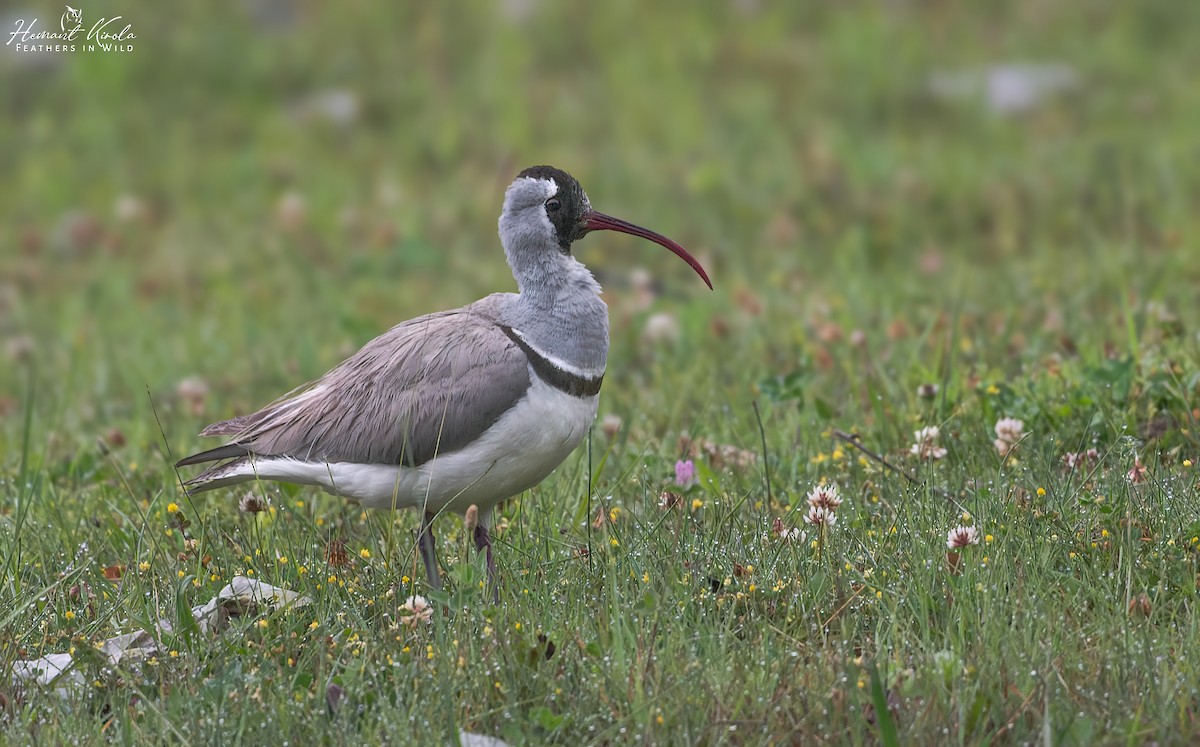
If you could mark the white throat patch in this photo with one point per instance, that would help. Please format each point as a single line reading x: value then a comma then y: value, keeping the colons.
x: 549, y: 186
x: 551, y: 189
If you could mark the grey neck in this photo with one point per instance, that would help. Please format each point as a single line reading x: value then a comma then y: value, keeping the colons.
x: 559, y: 309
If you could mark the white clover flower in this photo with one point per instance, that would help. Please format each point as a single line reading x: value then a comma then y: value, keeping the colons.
x: 1009, y: 432
x: 824, y: 496
x: 821, y: 516
x: 784, y: 533
x: 960, y: 537
x: 192, y: 391
x: 660, y: 329
x: 252, y: 503
x: 1073, y: 459
x: 926, y: 444
x: 610, y: 424
x: 418, y: 610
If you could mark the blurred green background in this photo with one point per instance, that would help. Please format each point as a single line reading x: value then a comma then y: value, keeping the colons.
x: 258, y: 187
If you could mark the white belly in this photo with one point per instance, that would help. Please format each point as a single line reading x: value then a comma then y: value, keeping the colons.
x: 516, y: 453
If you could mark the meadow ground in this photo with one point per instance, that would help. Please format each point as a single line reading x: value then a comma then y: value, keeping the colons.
x: 903, y: 233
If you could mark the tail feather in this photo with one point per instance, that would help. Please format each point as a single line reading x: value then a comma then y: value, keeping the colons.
x: 219, y: 476
x: 228, y: 451
x: 232, y: 458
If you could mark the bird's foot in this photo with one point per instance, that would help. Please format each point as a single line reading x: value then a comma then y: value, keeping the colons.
x: 483, y: 543
x: 428, y: 554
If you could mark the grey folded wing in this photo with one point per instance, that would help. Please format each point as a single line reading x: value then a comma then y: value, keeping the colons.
x: 428, y: 386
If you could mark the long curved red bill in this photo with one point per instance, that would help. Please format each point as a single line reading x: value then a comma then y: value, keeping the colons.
x: 600, y: 222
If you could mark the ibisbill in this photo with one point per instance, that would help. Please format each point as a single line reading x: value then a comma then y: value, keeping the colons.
x: 458, y: 408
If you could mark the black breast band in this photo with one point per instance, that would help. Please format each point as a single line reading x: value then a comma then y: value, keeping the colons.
x: 565, y: 381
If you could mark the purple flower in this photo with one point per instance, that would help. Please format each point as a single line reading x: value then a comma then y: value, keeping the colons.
x: 685, y: 473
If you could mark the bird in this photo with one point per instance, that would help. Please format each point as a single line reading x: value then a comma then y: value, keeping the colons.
x: 455, y: 410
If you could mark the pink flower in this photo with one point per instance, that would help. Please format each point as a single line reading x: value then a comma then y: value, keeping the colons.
x: 685, y: 473
x: 1136, y: 474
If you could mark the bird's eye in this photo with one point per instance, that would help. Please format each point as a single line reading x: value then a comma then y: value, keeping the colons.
x: 553, y: 205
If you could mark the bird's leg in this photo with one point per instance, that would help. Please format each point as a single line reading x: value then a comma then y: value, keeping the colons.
x: 483, y: 543
x: 428, y: 554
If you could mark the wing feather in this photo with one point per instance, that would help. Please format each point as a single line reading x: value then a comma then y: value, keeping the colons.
x: 427, y: 386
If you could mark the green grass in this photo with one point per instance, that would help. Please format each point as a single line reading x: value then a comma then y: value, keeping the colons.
x: 865, y: 238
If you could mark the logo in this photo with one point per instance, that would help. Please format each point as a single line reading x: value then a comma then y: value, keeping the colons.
x: 73, y: 16
x: 105, y: 35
